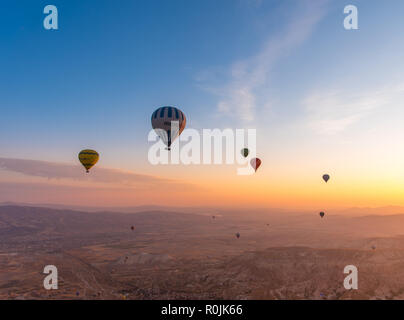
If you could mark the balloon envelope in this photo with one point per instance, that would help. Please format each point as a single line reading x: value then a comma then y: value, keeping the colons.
x: 168, y: 122
x: 255, y: 163
x: 88, y: 158
x: 326, y: 177
x: 322, y: 214
x: 245, y: 152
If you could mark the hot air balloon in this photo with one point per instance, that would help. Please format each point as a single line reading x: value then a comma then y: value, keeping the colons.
x: 326, y: 177
x: 245, y: 152
x: 168, y: 122
x: 373, y: 247
x: 255, y: 163
x: 238, y: 235
x: 88, y: 158
x: 132, y: 228
x: 322, y: 214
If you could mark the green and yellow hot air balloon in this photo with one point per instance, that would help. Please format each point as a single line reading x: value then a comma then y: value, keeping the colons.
x: 88, y: 158
x: 245, y: 152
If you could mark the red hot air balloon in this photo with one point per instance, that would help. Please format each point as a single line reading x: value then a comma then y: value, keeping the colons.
x: 255, y: 163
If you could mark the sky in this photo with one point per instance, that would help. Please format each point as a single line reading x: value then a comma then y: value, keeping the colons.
x: 322, y: 99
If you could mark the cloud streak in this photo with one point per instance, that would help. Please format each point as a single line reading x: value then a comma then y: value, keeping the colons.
x: 240, y: 96
x: 332, y: 111
x: 85, y: 195
x: 52, y: 170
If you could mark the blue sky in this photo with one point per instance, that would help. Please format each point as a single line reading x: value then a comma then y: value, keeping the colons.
x: 287, y: 68
x: 108, y: 67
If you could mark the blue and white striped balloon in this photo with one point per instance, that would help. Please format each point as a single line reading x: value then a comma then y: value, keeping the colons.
x: 168, y: 122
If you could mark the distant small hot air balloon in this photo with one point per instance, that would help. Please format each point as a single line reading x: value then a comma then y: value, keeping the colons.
x: 322, y: 214
x: 245, y: 152
x: 168, y: 122
x: 255, y: 163
x: 238, y: 235
x: 326, y: 177
x: 373, y: 247
x: 132, y: 228
x: 88, y: 158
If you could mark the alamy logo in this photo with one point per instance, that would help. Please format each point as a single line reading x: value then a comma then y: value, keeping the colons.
x: 351, y: 281
x: 51, y: 20
x: 351, y: 20
x: 51, y: 280
x: 213, y: 146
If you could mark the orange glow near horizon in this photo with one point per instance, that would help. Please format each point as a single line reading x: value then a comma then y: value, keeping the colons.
x: 262, y: 189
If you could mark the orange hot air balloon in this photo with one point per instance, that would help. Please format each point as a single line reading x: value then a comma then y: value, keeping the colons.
x: 255, y: 163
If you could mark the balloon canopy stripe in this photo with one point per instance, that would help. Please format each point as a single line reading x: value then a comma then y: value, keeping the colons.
x: 88, y: 158
x: 162, y: 121
x: 89, y: 153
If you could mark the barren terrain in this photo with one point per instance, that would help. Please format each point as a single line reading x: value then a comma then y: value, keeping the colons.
x: 191, y: 255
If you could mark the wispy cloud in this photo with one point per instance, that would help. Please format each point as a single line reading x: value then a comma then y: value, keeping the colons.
x: 52, y: 170
x: 107, y: 195
x: 240, y: 95
x: 332, y: 111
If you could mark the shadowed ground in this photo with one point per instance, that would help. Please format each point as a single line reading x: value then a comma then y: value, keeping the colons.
x: 173, y: 255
